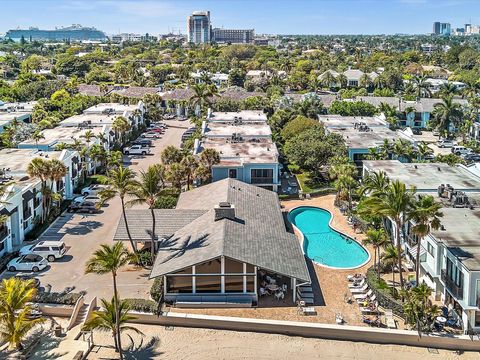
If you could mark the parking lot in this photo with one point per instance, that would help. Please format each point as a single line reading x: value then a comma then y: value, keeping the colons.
x: 83, y: 233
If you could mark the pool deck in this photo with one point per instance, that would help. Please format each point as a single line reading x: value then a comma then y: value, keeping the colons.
x: 330, y: 286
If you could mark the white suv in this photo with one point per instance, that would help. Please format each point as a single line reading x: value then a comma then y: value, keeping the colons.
x: 50, y: 250
x: 460, y: 150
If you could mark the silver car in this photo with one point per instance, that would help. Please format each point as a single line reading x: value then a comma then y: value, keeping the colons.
x: 29, y: 262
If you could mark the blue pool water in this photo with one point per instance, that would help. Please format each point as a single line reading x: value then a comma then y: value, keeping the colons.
x: 323, y: 244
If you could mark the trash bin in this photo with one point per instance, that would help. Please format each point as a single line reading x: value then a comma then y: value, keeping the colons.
x: 58, y: 330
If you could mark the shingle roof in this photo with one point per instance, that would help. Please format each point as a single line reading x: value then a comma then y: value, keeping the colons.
x: 167, y: 222
x: 257, y: 236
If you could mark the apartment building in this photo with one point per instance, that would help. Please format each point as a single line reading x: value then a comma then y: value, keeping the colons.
x: 233, y: 36
x: 19, y: 111
x: 199, y: 28
x: 247, y: 152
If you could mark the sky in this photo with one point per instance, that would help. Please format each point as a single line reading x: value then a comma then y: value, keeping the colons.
x: 265, y: 16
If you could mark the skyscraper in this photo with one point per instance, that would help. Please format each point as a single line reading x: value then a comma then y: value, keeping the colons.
x: 440, y: 28
x: 199, y: 29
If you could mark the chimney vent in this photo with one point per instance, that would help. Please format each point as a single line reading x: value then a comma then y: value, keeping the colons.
x: 224, y: 210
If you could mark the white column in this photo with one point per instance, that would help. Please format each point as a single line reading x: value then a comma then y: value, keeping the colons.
x: 194, y: 280
x: 294, y: 288
x: 164, y: 285
x: 244, y: 278
x: 222, y: 267
x: 255, y: 282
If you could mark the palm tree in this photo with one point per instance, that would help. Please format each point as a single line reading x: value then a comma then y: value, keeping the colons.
x: 393, y: 203
x: 171, y: 155
x: 121, y: 125
x: 16, y: 296
x: 147, y: 191
x: 190, y: 165
x: 88, y: 136
x: 365, y: 81
x: 202, y: 95
x: 56, y: 172
x: 120, y: 182
x: 109, y: 259
x: 390, y: 257
x: 209, y: 158
x: 421, y: 86
x: 37, y: 136
x: 344, y: 179
x: 378, y: 239
x: 423, y: 150
x: 38, y: 168
x: 176, y: 173
x: 426, y: 215
x: 106, y: 320
x: 328, y: 79
x: 342, y: 80
x: 447, y: 89
x: 403, y: 148
x: 446, y: 113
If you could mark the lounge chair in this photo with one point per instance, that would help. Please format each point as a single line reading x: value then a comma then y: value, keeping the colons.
x: 366, y: 310
x: 355, y: 277
x: 363, y: 296
x: 389, y: 319
x: 366, y: 299
x: 361, y: 290
x: 339, y: 319
x: 357, y: 285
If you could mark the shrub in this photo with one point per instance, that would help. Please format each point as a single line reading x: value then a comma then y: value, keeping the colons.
x: 156, y: 291
x: 142, y: 305
x: 57, y: 298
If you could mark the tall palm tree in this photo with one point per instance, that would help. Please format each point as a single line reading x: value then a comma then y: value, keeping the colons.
x: 403, y: 148
x: 209, y: 158
x: 447, y: 89
x: 190, y: 165
x: 39, y: 168
x: 328, y: 79
x: 423, y: 150
x: 106, y: 319
x: 121, y: 125
x: 342, y: 80
x: 202, y: 95
x: 374, y: 183
x: 378, y: 239
x: 171, y: 155
x: 390, y: 257
x: 56, y: 172
x: 395, y: 204
x: 37, y: 136
x: 120, y: 182
x: 421, y: 86
x: 88, y: 136
x: 426, y: 215
x: 446, y: 113
x: 365, y: 81
x: 147, y: 191
x: 108, y: 260
x: 176, y: 174
x: 16, y: 296
x: 344, y: 179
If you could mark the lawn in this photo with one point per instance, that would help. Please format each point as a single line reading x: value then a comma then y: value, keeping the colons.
x: 312, y: 186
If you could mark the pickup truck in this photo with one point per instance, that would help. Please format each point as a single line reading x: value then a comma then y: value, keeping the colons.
x: 136, y: 150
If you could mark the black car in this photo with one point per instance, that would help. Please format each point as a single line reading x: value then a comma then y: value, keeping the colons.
x: 417, y: 131
x: 143, y: 142
x: 85, y: 207
x: 472, y: 157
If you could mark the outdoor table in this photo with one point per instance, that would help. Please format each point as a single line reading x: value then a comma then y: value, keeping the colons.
x: 272, y: 287
x: 441, y: 320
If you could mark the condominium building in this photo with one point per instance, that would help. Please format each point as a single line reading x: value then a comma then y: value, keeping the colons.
x: 199, y: 29
x: 233, y: 36
x: 440, y: 28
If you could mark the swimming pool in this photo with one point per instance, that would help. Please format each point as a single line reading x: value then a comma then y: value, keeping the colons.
x: 324, y: 245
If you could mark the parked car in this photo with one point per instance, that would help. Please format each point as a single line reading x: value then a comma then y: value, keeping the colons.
x: 445, y: 143
x: 82, y: 199
x: 156, y: 130
x: 92, y: 189
x: 26, y: 277
x: 86, y: 207
x: 50, y: 250
x: 460, y: 150
x: 29, y: 262
x: 429, y: 157
x: 151, y: 135
x: 416, y: 131
x: 471, y: 157
x: 143, y: 142
x: 136, y: 150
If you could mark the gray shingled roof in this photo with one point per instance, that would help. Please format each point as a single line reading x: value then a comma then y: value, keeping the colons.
x: 167, y: 222
x: 257, y: 236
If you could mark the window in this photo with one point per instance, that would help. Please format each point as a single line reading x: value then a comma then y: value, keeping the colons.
x: 210, y: 267
x: 234, y: 284
x: 430, y: 249
x: 257, y: 173
x: 2, y: 245
x: 232, y: 173
x: 208, y: 284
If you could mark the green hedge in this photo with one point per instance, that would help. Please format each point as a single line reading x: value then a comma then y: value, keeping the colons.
x: 57, y: 298
x: 142, y: 305
x: 383, y: 293
x: 156, y: 291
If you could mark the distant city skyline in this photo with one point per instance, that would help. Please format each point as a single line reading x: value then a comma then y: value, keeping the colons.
x: 266, y: 16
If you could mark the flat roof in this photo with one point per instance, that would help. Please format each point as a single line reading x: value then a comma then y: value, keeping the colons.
x: 62, y: 135
x: 98, y: 119
x: 244, y: 115
x: 116, y: 107
x: 262, y: 151
x: 426, y: 176
x: 218, y: 129
x: 356, y: 139
x: 7, y: 117
x: 17, y: 106
x: 17, y: 160
x: 350, y: 121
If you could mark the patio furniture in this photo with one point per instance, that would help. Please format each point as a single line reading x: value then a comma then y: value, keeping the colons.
x: 284, y: 287
x: 363, y: 296
x: 356, y: 285
x: 339, y: 319
x: 442, y: 320
x: 271, y: 280
x: 264, y: 292
x: 272, y: 287
x: 280, y: 295
x: 361, y: 290
x: 355, y: 277
x: 307, y: 196
x: 309, y: 310
x: 389, y: 320
x: 367, y: 310
x: 366, y: 300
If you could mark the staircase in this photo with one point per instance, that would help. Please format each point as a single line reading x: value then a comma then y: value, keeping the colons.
x: 82, y: 315
x: 305, y: 293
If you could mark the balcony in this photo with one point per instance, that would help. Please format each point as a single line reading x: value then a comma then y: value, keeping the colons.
x: 27, y: 214
x: 453, y: 288
x: 262, y: 180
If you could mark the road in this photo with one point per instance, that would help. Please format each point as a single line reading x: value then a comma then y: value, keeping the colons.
x: 83, y: 234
